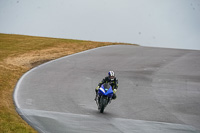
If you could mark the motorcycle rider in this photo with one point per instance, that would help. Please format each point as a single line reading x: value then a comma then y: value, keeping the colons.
x: 111, y: 79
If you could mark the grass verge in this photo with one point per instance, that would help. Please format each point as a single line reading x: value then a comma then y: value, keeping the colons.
x: 18, y: 54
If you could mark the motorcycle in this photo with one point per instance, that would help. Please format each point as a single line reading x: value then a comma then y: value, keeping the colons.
x: 104, y: 96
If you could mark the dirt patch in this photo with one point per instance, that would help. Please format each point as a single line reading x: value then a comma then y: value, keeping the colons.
x: 34, y: 58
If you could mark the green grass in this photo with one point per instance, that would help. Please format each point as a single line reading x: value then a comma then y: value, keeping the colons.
x: 18, y: 54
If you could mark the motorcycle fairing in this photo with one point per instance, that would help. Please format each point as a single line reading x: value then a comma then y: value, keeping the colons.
x: 105, y: 91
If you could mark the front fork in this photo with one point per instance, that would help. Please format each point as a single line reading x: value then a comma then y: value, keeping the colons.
x: 109, y: 100
x: 98, y: 99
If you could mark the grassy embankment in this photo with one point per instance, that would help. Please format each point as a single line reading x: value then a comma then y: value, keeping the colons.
x: 19, y: 54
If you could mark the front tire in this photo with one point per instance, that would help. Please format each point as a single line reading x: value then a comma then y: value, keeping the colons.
x: 103, y: 103
x: 102, y: 109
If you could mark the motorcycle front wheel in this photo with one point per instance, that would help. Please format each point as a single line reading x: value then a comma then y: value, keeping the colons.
x: 103, y: 103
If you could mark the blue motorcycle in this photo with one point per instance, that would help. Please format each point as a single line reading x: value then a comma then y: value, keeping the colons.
x: 104, y: 96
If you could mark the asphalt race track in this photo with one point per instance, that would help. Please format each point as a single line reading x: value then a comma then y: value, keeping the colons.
x: 159, y: 92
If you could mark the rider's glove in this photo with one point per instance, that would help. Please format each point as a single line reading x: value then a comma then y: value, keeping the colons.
x: 114, y: 91
x: 97, y: 88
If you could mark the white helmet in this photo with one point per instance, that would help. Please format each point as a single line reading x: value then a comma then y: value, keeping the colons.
x: 111, y: 75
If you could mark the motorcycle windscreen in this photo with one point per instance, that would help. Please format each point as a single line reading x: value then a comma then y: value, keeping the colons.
x: 106, y: 86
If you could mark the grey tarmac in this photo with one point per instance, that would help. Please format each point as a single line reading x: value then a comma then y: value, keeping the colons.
x: 159, y: 92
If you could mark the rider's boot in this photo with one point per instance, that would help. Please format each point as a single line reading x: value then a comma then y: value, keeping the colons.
x: 95, y: 99
x: 96, y: 90
x: 114, y: 97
